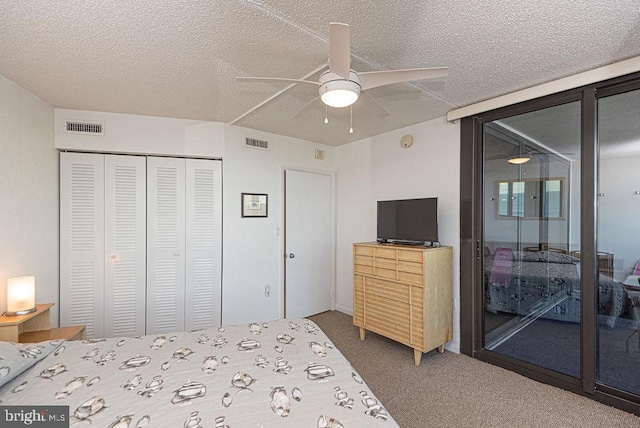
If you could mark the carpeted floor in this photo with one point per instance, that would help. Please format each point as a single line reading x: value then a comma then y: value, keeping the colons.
x: 452, y: 390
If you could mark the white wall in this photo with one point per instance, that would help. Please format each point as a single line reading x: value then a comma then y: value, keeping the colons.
x: 29, y: 194
x: 379, y: 168
x: 356, y: 219
x: 253, y: 248
x: 134, y: 134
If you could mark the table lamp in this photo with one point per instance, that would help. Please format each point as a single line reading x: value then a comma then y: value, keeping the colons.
x: 21, y: 295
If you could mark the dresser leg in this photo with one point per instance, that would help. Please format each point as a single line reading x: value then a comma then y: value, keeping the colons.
x: 362, y: 333
x: 417, y: 356
x: 441, y: 349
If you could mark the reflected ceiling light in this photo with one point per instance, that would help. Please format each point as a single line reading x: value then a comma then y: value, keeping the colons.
x: 521, y: 156
x: 519, y: 159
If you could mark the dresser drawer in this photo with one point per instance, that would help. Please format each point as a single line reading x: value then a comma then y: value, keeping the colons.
x: 386, y: 253
x: 385, y: 273
x: 389, y: 318
x: 363, y: 269
x: 411, y: 278
x: 409, y: 255
x: 363, y: 260
x: 386, y: 289
x: 387, y: 310
x: 411, y: 267
x: 379, y: 263
x: 363, y: 250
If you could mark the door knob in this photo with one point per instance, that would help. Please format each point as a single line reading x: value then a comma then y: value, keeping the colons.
x: 113, y: 256
x: 291, y: 255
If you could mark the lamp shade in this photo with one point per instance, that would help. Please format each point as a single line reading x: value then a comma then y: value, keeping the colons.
x: 21, y: 295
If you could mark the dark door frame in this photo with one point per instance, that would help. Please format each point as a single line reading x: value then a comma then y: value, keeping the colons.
x: 471, y: 241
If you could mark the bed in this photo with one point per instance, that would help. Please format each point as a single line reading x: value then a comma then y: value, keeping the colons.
x: 547, y: 284
x: 283, y: 373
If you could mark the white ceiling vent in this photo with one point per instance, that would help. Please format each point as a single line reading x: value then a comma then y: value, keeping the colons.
x: 84, y: 128
x: 255, y: 143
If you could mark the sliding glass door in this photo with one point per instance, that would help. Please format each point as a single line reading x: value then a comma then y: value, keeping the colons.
x: 531, y: 248
x: 550, y: 239
x: 618, y: 241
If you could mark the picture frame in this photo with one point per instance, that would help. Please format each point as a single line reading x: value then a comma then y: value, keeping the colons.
x: 255, y: 205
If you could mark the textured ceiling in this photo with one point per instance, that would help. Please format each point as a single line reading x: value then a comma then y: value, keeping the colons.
x: 179, y: 58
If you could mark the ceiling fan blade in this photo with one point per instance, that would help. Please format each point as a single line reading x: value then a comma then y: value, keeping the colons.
x: 305, y: 109
x: 274, y: 80
x: 339, y: 49
x: 373, y: 79
x: 374, y: 106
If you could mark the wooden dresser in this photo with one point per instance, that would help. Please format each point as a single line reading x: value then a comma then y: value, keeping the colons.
x: 404, y: 293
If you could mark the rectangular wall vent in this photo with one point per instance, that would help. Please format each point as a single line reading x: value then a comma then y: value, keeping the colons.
x: 255, y: 143
x: 85, y: 128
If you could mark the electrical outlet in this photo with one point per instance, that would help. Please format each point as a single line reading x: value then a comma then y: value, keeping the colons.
x: 267, y: 290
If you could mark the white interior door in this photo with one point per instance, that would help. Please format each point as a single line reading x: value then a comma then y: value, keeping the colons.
x: 125, y: 240
x: 165, y: 244
x: 82, y: 241
x: 203, y: 243
x: 308, y: 243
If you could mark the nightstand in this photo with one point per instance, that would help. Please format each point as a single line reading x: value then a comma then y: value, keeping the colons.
x: 36, y: 327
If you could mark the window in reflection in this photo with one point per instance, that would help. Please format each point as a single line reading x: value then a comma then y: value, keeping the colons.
x: 527, y: 199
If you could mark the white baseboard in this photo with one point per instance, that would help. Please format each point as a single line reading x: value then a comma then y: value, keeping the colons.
x: 453, y: 347
x: 344, y: 310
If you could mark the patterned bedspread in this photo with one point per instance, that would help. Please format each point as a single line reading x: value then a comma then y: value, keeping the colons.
x: 283, y: 373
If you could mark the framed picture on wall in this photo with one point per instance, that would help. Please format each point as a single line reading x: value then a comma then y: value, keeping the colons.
x: 255, y: 204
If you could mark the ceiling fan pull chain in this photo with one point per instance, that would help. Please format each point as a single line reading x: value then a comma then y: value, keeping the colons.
x: 351, y: 120
x: 326, y: 118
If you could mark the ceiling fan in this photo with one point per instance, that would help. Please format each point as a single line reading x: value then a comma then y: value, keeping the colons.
x: 340, y: 86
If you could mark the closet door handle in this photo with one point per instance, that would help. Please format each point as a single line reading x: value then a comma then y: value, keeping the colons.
x: 291, y: 255
x: 113, y: 257
x: 176, y: 254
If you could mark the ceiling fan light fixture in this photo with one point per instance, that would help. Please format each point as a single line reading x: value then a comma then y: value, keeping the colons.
x: 336, y: 91
x: 339, y: 93
x: 519, y: 159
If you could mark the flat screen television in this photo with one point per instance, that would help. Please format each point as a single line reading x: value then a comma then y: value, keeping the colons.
x: 410, y: 221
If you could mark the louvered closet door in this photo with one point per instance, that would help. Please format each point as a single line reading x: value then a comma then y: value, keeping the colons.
x: 165, y: 244
x: 82, y: 241
x: 203, y: 243
x: 125, y: 245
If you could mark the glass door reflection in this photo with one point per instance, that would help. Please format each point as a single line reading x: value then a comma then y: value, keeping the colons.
x: 531, y: 233
x: 618, y: 241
